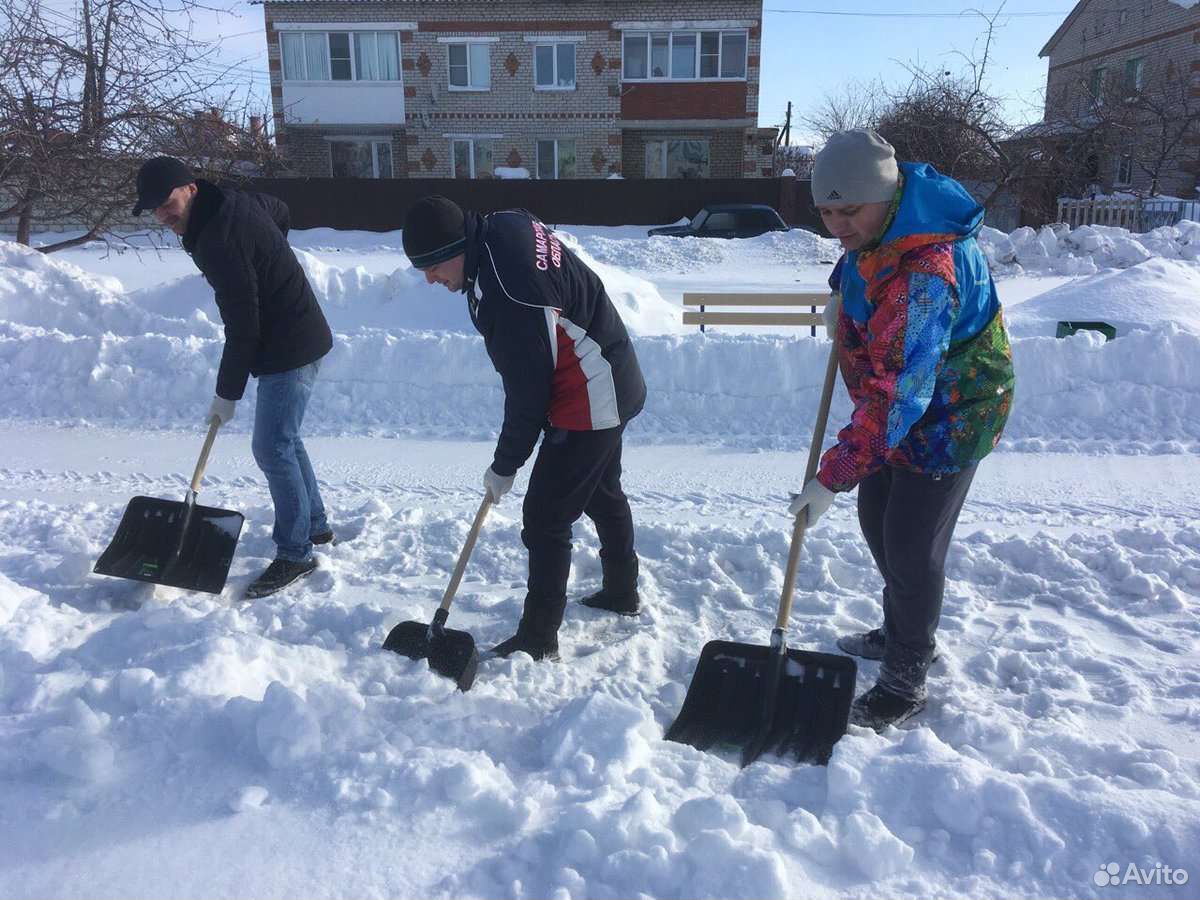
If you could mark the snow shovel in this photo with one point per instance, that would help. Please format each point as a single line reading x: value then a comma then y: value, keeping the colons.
x: 450, y: 653
x: 182, y: 545
x: 772, y: 699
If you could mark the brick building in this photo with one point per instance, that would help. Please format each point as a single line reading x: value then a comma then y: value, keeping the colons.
x: 560, y: 88
x: 1106, y: 53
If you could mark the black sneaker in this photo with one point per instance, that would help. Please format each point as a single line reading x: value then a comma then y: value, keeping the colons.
x: 325, y: 537
x: 879, y: 708
x: 279, y: 575
x: 867, y: 645
x: 523, y: 643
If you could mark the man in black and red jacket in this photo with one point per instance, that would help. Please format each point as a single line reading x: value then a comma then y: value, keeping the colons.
x: 570, y: 375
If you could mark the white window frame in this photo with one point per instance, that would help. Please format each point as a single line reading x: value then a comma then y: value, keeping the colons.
x: 373, y: 140
x: 471, y: 139
x: 353, y: 79
x: 467, y: 42
x: 554, y: 45
x: 537, y: 148
x: 696, y: 33
x: 666, y: 142
x: 1139, y: 75
x: 1124, y: 161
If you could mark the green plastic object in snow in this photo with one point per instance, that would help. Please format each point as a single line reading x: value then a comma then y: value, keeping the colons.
x: 1066, y: 329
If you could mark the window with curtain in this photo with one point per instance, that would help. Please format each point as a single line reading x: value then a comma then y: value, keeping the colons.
x: 660, y: 55
x: 376, y: 56
x: 360, y: 159
x: 684, y: 55
x: 340, y: 56
x: 316, y: 55
x: 677, y: 159
x: 635, y: 59
x: 733, y: 54
x: 470, y: 66
x: 556, y: 158
x: 471, y: 158
x: 554, y: 66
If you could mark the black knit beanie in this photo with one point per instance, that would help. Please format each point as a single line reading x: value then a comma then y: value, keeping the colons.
x: 433, y: 231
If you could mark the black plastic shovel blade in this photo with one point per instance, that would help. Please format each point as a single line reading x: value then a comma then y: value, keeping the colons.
x: 724, y: 706
x: 157, y: 541
x: 450, y: 653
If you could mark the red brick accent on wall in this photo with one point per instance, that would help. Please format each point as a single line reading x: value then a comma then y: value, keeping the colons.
x: 482, y: 27
x: 695, y: 100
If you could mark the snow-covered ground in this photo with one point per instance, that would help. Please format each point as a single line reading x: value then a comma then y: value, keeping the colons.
x: 155, y: 743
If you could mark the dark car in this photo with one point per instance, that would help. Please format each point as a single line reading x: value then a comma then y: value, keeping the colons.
x: 727, y: 220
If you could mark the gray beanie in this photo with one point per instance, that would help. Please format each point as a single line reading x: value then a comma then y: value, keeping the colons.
x: 855, y: 167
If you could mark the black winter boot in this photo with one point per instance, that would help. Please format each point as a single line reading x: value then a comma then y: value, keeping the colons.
x: 867, y: 645
x: 879, y: 708
x: 619, y: 592
x: 537, y: 633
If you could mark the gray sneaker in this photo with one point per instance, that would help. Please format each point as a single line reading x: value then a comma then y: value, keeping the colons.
x: 868, y: 645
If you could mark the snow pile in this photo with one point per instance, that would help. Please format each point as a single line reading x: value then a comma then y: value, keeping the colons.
x: 42, y: 293
x: 1143, y: 296
x: 633, y: 250
x: 1059, y: 250
x: 407, y: 361
x: 164, y: 746
x: 354, y: 298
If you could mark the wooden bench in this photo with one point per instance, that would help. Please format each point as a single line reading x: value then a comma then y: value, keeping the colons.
x: 705, y: 315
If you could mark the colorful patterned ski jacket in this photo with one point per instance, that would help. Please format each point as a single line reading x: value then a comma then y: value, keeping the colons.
x: 921, y: 341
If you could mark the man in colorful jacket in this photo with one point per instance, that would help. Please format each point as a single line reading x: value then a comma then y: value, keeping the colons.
x: 925, y: 356
x: 569, y: 373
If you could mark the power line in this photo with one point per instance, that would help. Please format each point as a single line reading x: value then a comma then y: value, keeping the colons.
x: 913, y: 15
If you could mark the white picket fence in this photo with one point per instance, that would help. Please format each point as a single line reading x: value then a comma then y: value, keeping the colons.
x: 1138, y: 214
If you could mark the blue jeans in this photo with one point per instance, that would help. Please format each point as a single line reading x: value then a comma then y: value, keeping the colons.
x: 279, y: 452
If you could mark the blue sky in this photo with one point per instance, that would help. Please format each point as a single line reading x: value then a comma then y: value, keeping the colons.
x: 806, y: 55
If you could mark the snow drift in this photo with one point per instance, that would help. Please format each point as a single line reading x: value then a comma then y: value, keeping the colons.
x: 71, y: 349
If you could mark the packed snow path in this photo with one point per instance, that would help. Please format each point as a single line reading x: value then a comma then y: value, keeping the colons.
x: 157, y: 743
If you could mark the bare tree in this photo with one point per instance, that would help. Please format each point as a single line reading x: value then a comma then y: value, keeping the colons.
x: 952, y: 118
x: 852, y: 105
x: 1154, y: 121
x: 84, y: 98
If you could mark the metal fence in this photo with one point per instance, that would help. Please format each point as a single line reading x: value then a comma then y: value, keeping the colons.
x: 1138, y: 214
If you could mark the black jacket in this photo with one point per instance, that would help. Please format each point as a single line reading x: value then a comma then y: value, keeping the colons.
x: 273, y: 322
x: 551, y: 331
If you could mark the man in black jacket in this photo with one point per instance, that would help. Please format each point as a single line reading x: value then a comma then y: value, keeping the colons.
x: 569, y: 372
x: 274, y: 330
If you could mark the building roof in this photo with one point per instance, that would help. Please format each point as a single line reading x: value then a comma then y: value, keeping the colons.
x: 1062, y: 29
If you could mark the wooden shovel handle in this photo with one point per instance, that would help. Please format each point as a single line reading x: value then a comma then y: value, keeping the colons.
x: 810, y: 471
x: 461, y: 565
x: 202, y: 463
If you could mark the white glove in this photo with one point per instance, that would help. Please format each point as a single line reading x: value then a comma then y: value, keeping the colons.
x: 496, y: 486
x: 221, y: 410
x: 831, y: 313
x: 815, y: 497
